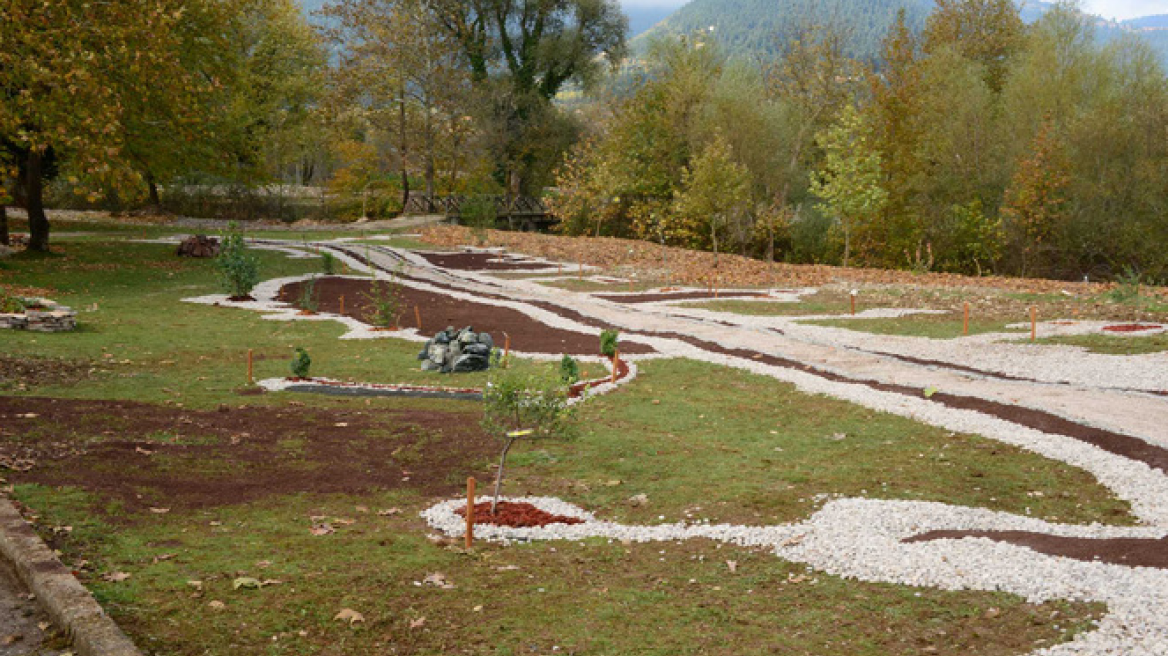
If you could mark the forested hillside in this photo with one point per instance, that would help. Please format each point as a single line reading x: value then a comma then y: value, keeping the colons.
x: 755, y: 28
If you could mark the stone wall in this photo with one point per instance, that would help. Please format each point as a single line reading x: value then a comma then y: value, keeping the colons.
x: 42, y: 316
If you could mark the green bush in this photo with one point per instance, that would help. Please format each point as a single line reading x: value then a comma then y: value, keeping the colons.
x: 328, y: 263
x: 384, y: 297
x: 608, y: 342
x: 239, y: 271
x: 10, y: 304
x: 569, y: 370
x: 300, y: 363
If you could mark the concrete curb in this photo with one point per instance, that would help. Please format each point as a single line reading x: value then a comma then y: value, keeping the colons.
x: 67, y: 602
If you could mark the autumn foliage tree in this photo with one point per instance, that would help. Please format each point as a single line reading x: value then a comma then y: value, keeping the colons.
x: 1036, y: 205
x: 70, y: 72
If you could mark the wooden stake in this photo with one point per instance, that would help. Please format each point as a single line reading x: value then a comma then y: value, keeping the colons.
x: 250, y: 377
x: 342, y: 305
x: 615, y: 365
x: 470, y: 499
x: 418, y: 316
x: 853, y: 297
x: 1033, y: 322
x: 965, y: 321
x: 580, y: 275
x: 506, y: 346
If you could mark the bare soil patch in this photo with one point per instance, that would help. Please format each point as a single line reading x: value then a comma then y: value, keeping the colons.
x: 22, y: 373
x: 483, y: 262
x: 1133, y: 552
x: 439, y: 311
x: 147, y: 455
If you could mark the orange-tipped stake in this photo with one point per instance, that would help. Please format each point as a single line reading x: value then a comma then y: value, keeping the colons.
x: 506, y: 348
x: 470, y: 497
x: 1033, y: 322
x: 418, y: 316
x: 250, y: 377
x: 965, y: 321
x: 853, y: 296
x: 615, y: 365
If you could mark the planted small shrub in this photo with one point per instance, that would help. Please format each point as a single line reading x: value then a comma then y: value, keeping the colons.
x: 10, y: 304
x: 385, y: 303
x: 307, y: 300
x: 569, y: 370
x: 608, y: 342
x: 328, y: 263
x: 521, y: 404
x: 301, y: 363
x: 239, y: 271
x: 478, y: 212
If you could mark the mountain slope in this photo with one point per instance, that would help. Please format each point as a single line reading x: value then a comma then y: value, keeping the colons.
x: 754, y: 28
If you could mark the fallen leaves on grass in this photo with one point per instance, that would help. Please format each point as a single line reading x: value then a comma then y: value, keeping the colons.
x: 321, y: 529
x: 116, y: 577
x: 438, y: 580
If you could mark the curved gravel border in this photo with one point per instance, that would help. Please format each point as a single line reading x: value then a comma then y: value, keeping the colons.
x: 68, y: 603
x: 862, y: 539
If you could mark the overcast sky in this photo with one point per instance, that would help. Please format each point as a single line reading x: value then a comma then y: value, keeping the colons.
x: 1108, y: 8
x: 1124, y: 8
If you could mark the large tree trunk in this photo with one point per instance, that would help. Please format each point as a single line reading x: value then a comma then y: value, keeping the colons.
x: 32, y: 181
x: 4, y: 240
x: 403, y: 150
x: 152, y: 189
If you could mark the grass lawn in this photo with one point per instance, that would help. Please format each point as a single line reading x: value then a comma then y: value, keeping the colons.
x: 1113, y: 344
x: 934, y: 326
x: 700, y: 441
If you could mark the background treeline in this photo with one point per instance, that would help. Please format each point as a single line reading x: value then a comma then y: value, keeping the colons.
x: 977, y: 145
x: 241, y: 108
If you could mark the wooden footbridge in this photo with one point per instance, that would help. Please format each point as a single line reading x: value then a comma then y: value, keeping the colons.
x: 517, y: 212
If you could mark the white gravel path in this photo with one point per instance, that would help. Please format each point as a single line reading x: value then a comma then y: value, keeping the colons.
x: 861, y: 538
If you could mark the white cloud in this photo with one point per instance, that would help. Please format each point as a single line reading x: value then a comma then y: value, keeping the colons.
x: 1122, y: 9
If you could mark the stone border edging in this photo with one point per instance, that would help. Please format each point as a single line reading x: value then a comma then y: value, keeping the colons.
x: 71, y: 607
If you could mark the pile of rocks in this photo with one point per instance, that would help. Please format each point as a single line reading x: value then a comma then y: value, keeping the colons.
x: 40, y: 315
x: 198, y: 246
x: 457, y: 351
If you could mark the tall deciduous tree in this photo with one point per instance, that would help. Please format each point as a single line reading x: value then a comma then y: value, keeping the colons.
x: 523, y: 52
x: 986, y: 31
x: 69, y: 71
x: 849, y: 181
x: 714, y: 196
x: 1036, y: 205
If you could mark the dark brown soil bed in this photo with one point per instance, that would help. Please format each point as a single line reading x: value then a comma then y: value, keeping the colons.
x: 483, y: 262
x: 1129, y: 328
x: 677, y: 296
x: 147, y: 455
x: 22, y: 373
x: 516, y: 515
x: 1134, y: 552
x: 439, y: 311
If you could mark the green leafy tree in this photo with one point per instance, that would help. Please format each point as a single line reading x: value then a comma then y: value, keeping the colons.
x: 715, y: 194
x: 239, y: 270
x: 849, y: 180
x: 986, y: 31
x: 524, y: 404
x: 521, y: 53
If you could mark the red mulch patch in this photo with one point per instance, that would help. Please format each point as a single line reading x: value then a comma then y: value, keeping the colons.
x: 1129, y: 328
x: 439, y: 311
x: 146, y: 455
x: 483, y: 262
x: 516, y: 515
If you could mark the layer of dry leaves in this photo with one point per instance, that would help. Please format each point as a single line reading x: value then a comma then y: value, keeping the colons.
x: 695, y: 268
